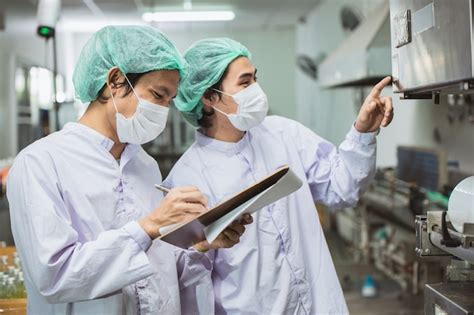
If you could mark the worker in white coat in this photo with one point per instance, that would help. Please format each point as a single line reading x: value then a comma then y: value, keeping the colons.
x: 282, y: 264
x: 83, y: 205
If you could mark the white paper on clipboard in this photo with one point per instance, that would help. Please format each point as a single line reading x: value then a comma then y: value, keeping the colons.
x: 286, y: 185
x: 208, y: 225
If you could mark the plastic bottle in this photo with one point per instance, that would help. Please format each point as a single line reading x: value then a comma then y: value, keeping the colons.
x: 20, y: 287
x: 10, y: 288
x: 2, y: 285
x: 368, y: 289
x: 3, y: 263
x: 11, y: 271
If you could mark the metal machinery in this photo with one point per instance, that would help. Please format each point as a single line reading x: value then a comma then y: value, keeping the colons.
x: 438, y: 259
x: 432, y: 48
x: 380, y: 230
x: 436, y: 237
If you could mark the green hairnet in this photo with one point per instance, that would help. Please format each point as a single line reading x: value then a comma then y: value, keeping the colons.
x: 208, y: 59
x: 133, y: 49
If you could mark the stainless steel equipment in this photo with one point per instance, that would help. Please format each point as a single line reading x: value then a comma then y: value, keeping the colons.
x: 449, y: 298
x: 380, y: 231
x: 364, y: 57
x: 432, y: 47
x: 435, y: 237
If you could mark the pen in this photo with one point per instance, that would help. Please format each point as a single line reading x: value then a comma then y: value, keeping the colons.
x: 162, y: 188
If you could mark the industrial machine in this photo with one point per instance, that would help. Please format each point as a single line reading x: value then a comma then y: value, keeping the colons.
x: 413, y: 196
x: 450, y: 233
x: 380, y: 230
x: 432, y: 47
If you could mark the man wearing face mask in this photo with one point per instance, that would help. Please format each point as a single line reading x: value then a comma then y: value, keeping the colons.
x: 83, y: 205
x: 282, y: 264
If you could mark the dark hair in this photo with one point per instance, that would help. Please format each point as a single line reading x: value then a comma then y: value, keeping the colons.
x: 132, y: 77
x: 206, y: 119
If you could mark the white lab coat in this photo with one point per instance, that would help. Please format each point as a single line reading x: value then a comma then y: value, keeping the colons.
x: 73, y: 210
x: 282, y: 264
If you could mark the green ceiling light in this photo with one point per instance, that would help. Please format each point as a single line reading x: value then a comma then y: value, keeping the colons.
x: 48, y: 15
x: 45, y: 31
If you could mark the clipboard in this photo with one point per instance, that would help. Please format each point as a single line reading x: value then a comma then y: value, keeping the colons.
x: 210, y: 223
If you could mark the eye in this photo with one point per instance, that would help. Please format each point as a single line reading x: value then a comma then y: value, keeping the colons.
x: 157, y: 96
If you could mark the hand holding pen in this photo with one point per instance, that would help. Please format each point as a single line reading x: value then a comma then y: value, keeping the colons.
x: 178, y: 205
x: 228, y: 238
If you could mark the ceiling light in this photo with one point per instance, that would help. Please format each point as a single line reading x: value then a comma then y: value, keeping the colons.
x: 188, y: 16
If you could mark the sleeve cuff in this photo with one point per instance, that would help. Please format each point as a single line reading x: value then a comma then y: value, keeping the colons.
x: 361, y: 137
x: 138, y: 234
x: 195, y: 255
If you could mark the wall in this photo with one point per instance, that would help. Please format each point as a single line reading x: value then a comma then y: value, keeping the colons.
x: 331, y: 112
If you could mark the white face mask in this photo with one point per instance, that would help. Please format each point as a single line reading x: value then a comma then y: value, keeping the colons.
x: 252, y: 107
x: 146, y: 124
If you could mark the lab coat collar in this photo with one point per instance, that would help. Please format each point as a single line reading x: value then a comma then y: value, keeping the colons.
x: 229, y: 148
x: 90, y: 134
x: 128, y: 154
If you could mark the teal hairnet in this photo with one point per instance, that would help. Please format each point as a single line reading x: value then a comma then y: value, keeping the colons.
x: 133, y: 49
x: 208, y: 59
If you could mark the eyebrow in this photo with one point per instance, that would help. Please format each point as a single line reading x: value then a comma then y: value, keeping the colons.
x: 247, y: 74
x: 165, y: 91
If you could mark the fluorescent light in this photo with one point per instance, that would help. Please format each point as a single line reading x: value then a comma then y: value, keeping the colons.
x: 188, y: 16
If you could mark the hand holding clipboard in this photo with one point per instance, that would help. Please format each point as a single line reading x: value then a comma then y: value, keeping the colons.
x: 211, y: 223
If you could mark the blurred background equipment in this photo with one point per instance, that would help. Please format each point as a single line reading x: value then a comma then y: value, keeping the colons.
x: 48, y: 16
x: 451, y: 233
x: 309, y: 66
x: 316, y: 61
x: 428, y: 61
x: 425, y: 167
x: 380, y: 228
x: 364, y: 57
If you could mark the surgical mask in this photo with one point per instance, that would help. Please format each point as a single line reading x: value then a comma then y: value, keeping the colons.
x: 146, y: 124
x: 252, y: 107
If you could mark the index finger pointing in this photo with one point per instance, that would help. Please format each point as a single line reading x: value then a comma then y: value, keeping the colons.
x: 380, y: 86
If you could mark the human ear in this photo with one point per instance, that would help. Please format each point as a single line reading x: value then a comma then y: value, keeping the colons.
x: 209, y: 101
x: 113, y: 78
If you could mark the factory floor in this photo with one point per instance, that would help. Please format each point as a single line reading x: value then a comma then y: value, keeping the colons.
x: 390, y: 299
